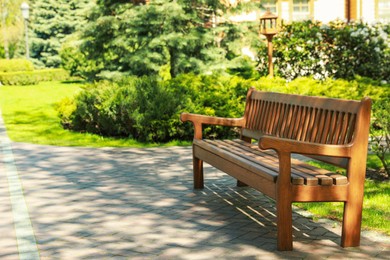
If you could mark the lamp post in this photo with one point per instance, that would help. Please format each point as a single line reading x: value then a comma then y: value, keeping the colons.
x: 4, y: 26
x: 26, y: 13
x: 268, y: 27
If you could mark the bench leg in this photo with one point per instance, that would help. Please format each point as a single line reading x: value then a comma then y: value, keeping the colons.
x: 284, y: 204
x: 351, y: 224
x: 284, y: 226
x: 198, y: 173
x: 352, y: 218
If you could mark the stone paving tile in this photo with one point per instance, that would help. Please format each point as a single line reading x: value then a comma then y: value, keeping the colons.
x: 139, y: 204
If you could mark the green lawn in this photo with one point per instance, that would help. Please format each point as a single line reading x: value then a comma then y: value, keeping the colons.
x: 376, y: 204
x: 30, y: 116
x: 376, y: 207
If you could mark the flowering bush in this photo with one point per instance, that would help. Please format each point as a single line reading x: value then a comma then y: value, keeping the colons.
x: 338, y: 50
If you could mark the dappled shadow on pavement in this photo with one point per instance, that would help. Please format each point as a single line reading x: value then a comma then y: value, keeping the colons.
x: 89, y: 203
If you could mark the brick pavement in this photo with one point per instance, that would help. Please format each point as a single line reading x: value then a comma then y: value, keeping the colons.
x: 108, y: 203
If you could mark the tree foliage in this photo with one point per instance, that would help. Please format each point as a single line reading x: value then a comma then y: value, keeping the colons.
x: 52, y: 21
x: 162, y: 37
x: 12, y: 29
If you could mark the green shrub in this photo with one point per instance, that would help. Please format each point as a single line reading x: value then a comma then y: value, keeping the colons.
x: 15, y: 65
x: 18, y: 78
x: 32, y: 77
x: 148, y: 108
x: 156, y: 107
x: 65, y: 109
x: 51, y: 74
x: 104, y: 108
x: 338, y: 50
x: 380, y: 132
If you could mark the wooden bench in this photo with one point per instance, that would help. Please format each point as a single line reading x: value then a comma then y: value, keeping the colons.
x: 331, y: 130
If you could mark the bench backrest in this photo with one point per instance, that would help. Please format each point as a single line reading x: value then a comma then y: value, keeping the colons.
x: 304, y: 118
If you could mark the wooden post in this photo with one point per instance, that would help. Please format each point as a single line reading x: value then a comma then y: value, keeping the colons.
x: 351, y: 10
x: 270, y: 54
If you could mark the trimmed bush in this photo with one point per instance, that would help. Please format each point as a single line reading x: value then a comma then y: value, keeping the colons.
x: 18, y: 78
x: 32, y: 77
x: 15, y: 65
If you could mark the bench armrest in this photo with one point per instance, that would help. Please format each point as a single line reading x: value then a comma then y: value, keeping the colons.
x: 199, y: 120
x: 284, y: 148
x: 282, y: 145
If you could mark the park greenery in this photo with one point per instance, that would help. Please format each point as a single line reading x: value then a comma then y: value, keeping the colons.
x: 334, y: 50
x: 50, y: 23
x: 148, y: 61
x: 30, y: 114
x: 141, y: 63
x: 165, y: 38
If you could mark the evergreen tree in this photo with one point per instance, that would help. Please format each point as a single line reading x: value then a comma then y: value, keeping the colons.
x: 147, y: 38
x: 51, y: 22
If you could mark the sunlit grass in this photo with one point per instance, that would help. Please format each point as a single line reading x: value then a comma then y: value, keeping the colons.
x: 30, y: 116
x: 376, y: 203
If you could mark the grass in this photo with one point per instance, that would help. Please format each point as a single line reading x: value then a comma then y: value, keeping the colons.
x: 376, y: 204
x: 30, y: 116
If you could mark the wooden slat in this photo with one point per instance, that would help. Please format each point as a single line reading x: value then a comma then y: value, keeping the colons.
x: 326, y: 129
x: 351, y: 128
x: 274, y: 118
x: 344, y: 128
x: 338, y: 179
x: 332, y: 127
x: 305, y: 124
x: 303, y: 193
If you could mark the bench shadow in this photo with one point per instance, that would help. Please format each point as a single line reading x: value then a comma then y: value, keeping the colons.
x: 124, y: 203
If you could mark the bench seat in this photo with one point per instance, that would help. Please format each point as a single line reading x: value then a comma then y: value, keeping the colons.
x: 265, y: 163
x: 249, y: 164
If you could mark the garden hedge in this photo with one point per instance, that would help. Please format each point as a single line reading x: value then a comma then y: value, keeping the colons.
x: 32, y: 77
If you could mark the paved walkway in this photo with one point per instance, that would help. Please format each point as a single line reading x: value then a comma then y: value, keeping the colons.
x: 82, y: 203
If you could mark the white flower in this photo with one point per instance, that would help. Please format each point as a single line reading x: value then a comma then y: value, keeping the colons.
x: 324, y: 26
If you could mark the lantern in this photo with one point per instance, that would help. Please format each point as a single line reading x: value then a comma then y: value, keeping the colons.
x: 268, y: 27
